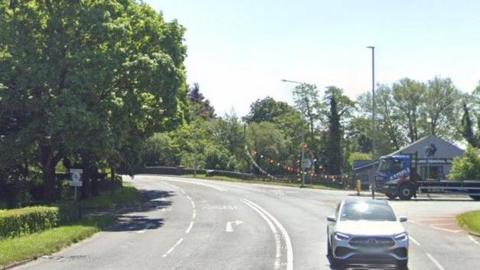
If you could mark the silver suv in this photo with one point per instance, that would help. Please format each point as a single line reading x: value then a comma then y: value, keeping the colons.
x: 366, y: 232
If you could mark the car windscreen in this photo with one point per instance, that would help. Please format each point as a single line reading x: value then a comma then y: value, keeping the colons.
x: 367, y: 211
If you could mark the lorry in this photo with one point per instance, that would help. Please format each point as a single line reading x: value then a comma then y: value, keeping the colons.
x: 397, y: 176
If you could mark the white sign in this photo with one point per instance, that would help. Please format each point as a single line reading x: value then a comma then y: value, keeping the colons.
x: 76, y: 176
x: 306, y: 164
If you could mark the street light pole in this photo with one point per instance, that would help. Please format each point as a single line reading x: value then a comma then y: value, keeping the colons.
x: 374, y: 125
x: 303, y: 138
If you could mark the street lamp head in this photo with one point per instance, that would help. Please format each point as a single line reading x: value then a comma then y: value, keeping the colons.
x: 371, y: 47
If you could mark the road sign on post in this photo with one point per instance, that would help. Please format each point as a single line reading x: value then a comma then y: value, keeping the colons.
x: 306, y: 164
x: 76, y: 179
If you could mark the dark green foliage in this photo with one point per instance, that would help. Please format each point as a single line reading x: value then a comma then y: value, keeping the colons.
x: 467, y: 128
x: 27, y: 220
x: 466, y: 167
x: 267, y: 109
x: 199, y: 105
x: 86, y: 80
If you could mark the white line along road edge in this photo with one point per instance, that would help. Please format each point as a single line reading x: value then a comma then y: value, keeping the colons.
x: 275, y: 234
x: 284, y: 232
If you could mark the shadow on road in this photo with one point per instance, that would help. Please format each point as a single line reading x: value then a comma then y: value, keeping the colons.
x: 135, y: 223
x: 143, y: 217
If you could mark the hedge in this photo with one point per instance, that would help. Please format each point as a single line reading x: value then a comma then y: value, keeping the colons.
x: 27, y: 220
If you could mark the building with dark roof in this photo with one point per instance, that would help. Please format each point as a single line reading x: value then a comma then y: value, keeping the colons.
x: 439, y: 161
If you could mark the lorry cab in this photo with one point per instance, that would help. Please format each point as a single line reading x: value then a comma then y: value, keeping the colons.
x: 396, y: 177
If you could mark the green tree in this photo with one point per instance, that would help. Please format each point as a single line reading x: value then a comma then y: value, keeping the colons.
x: 308, y: 103
x: 92, y: 80
x: 267, y: 109
x: 199, y: 105
x: 409, y: 96
x: 466, y: 167
x: 340, y: 107
x: 442, y: 108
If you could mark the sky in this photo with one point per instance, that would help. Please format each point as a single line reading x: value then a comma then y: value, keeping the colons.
x: 238, y: 51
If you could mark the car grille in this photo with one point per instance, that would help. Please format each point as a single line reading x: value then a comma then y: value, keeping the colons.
x: 372, y: 242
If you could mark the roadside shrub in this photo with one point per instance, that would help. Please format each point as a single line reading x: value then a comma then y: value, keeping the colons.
x: 466, y: 167
x: 27, y: 220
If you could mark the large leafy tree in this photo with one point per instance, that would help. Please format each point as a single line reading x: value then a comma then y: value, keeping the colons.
x: 307, y: 101
x: 91, y: 79
x: 409, y: 96
x: 442, y: 108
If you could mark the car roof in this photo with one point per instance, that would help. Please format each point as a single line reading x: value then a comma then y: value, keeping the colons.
x: 365, y: 200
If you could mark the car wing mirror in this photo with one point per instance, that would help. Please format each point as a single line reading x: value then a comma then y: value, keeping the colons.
x: 331, y: 219
x: 403, y: 219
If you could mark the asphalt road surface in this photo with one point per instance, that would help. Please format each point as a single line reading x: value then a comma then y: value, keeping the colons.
x: 200, y: 224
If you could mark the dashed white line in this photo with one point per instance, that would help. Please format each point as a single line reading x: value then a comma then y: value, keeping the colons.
x: 439, y: 266
x: 274, y: 231
x: 172, y: 248
x: 474, y: 240
x: 189, y: 227
x: 414, y: 241
x: 194, y: 214
x: 284, y: 232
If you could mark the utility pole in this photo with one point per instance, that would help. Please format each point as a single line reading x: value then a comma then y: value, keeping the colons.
x: 303, y: 138
x: 374, y: 117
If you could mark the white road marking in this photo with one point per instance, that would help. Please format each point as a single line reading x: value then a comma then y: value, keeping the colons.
x: 194, y: 214
x: 439, y: 266
x: 229, y: 225
x: 414, y: 241
x: 474, y: 240
x: 276, y: 235
x: 284, y: 232
x: 219, y: 207
x: 189, y: 227
x: 172, y: 248
x: 196, y: 183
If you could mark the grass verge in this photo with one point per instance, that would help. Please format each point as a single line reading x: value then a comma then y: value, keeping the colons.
x: 32, y: 246
x: 470, y: 221
x: 263, y: 182
x: 38, y: 244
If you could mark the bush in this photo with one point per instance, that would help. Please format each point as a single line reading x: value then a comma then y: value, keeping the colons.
x: 27, y: 220
x: 466, y: 167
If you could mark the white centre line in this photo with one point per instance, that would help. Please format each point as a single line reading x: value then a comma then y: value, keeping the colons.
x: 189, y: 227
x: 414, y: 241
x: 172, y: 248
x: 474, y: 240
x: 194, y: 214
x: 439, y: 266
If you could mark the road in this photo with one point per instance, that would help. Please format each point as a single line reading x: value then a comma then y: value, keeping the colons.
x: 202, y: 224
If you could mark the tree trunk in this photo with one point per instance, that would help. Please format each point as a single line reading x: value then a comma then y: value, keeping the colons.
x: 48, y: 163
x: 94, y: 176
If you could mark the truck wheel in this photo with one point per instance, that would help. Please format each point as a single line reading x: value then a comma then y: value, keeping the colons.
x: 406, y: 191
x: 475, y: 197
x: 391, y: 196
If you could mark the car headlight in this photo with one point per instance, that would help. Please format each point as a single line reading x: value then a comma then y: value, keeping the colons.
x: 401, y: 237
x: 342, y: 236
